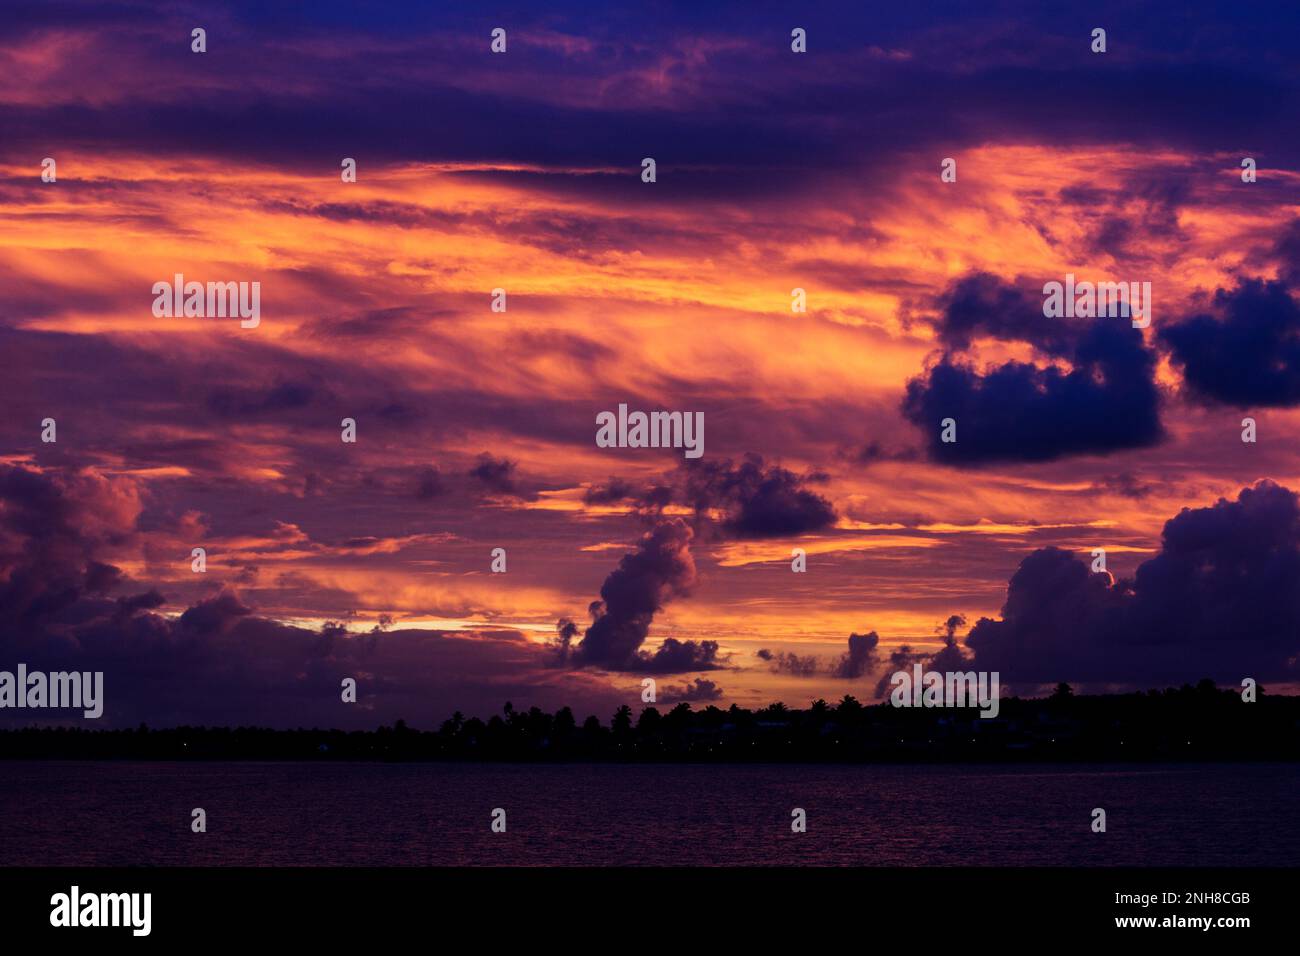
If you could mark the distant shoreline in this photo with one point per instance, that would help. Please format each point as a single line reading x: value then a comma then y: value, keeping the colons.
x: 1202, y: 723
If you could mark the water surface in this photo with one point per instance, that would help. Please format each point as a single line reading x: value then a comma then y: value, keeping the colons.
x: 327, y: 814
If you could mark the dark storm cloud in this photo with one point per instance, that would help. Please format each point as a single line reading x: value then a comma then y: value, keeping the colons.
x: 675, y: 656
x: 860, y: 657
x: 496, y: 475
x: 950, y: 657
x: 1125, y: 484
x: 981, y: 304
x: 216, y: 615
x: 1221, y: 599
x: 758, y: 500
x: 1019, y: 411
x: 614, y: 490
x: 701, y: 689
x: 708, y: 154
x: 1246, y: 351
x: 718, y: 93
x: 565, y: 631
x: 660, y: 569
x: 785, y: 662
x: 901, y: 658
x: 219, y: 662
x: 754, y: 499
x: 1286, y: 252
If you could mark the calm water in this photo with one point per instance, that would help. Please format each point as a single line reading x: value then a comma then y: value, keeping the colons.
x: 75, y: 813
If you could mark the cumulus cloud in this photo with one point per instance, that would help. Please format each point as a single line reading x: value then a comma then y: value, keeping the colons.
x: 859, y: 658
x: 1107, y: 399
x: 785, y: 662
x: 982, y: 305
x: 1286, y: 252
x: 660, y: 569
x: 1221, y: 599
x: 616, y: 489
x: 218, y: 661
x: 756, y: 499
x: 1244, y: 351
x: 950, y: 657
x: 900, y: 658
x: 750, y: 499
x: 496, y: 475
x: 701, y: 689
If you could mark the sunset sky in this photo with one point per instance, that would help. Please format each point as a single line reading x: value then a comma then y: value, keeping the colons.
x: 476, y: 429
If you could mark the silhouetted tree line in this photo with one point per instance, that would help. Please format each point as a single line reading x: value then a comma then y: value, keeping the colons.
x: 1187, y: 723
